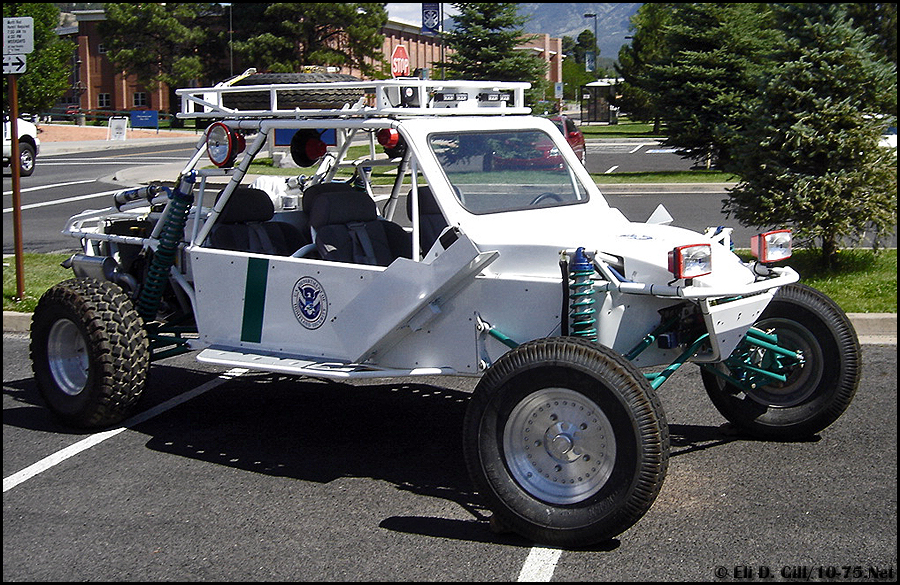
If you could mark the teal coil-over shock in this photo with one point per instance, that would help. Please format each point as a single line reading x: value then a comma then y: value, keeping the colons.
x: 170, y: 235
x: 582, y: 312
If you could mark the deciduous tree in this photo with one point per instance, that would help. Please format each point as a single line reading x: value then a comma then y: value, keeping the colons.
x: 49, y: 66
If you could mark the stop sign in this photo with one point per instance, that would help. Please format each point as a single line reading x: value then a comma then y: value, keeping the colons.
x: 400, y: 62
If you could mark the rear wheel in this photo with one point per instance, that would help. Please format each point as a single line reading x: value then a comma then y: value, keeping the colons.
x: 814, y: 392
x: 89, y: 352
x: 566, y: 442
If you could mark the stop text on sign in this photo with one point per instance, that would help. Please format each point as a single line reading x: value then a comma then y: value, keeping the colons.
x: 400, y: 62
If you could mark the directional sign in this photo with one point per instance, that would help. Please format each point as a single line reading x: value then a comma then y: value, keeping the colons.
x: 400, y: 62
x: 14, y: 64
x: 18, y: 35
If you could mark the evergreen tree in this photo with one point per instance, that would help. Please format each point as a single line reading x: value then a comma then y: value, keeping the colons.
x: 178, y: 43
x: 879, y: 21
x: 809, y: 160
x: 484, y: 42
x: 49, y: 66
x: 708, y: 73
x: 586, y: 43
x: 157, y: 43
x: 646, y: 47
x: 286, y: 36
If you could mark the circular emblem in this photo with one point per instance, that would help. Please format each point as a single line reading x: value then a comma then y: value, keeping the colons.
x: 430, y: 18
x: 309, y: 302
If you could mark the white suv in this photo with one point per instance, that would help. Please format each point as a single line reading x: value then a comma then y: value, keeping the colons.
x: 29, y: 145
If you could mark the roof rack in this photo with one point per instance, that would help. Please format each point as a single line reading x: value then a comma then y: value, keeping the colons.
x: 394, y: 97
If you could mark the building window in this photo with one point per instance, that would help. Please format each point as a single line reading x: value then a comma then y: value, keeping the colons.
x: 140, y: 99
x: 104, y: 100
x: 101, y: 49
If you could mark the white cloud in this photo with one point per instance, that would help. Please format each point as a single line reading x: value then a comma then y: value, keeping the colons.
x: 406, y: 11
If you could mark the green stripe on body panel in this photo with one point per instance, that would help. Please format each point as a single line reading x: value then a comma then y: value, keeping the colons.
x: 254, y: 299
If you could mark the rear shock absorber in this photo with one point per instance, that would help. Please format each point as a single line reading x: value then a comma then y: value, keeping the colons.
x: 170, y: 235
x: 584, y: 320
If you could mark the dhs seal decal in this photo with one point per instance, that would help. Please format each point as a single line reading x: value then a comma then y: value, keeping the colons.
x: 309, y: 302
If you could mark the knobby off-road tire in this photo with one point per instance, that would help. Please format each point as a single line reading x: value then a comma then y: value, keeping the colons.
x: 816, y: 392
x: 303, y: 99
x: 566, y: 442
x: 89, y: 352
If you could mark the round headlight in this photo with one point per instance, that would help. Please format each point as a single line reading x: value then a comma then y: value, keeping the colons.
x: 223, y: 144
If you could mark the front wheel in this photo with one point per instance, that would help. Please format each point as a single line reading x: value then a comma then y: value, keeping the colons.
x: 27, y: 158
x: 811, y: 393
x: 566, y: 442
x: 89, y: 352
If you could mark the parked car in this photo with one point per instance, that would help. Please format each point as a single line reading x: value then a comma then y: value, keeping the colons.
x: 573, y: 135
x: 29, y: 145
x: 544, y: 153
x: 569, y: 315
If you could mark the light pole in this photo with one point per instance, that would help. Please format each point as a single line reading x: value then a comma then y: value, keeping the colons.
x: 596, y: 50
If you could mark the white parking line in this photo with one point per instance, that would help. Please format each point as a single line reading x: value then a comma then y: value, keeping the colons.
x: 53, y: 186
x: 85, y: 444
x: 61, y: 201
x: 539, y: 565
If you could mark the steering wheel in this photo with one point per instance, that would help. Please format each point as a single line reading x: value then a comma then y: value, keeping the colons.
x: 546, y: 195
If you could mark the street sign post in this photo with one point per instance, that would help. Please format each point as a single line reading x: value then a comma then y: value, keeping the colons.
x: 18, y: 41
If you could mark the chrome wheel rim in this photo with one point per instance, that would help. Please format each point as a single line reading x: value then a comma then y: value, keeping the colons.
x: 559, y: 446
x: 67, y: 357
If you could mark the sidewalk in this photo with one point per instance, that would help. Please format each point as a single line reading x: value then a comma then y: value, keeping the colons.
x: 57, y: 139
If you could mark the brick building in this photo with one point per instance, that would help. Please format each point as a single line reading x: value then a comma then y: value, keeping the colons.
x: 97, y: 85
x: 425, y: 50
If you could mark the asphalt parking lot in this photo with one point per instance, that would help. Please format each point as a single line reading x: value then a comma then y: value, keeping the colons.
x: 265, y: 477
x: 242, y: 476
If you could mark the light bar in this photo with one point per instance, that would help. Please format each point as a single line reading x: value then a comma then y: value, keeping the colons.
x: 771, y: 246
x: 493, y: 96
x: 450, y: 97
x: 691, y: 261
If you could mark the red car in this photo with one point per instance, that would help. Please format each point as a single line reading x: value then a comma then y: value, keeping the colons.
x: 573, y: 135
x: 543, y: 153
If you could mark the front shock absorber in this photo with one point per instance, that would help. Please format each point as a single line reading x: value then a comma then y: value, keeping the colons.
x: 170, y: 235
x: 582, y: 312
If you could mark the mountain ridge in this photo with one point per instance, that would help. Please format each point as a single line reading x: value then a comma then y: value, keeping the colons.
x: 568, y: 20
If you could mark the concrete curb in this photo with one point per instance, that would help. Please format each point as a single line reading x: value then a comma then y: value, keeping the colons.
x: 871, y: 328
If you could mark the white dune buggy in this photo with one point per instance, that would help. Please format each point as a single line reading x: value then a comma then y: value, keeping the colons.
x: 443, y: 230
